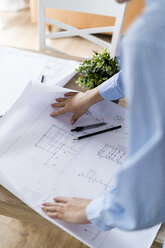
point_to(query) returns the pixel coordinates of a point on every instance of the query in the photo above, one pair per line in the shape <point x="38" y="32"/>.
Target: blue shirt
<point x="138" y="200"/>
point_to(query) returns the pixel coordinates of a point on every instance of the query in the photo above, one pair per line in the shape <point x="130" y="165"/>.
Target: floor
<point x="16" y="30"/>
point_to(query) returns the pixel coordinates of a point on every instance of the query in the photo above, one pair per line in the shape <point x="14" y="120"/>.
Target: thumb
<point x="74" y="119"/>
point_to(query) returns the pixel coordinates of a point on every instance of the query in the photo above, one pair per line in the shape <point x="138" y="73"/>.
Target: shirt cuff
<point x="109" y="90"/>
<point x="95" y="216"/>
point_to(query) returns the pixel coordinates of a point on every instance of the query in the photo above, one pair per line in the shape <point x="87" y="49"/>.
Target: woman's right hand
<point x="78" y="103"/>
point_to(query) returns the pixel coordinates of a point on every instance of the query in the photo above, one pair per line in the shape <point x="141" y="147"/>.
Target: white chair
<point x="99" y="7"/>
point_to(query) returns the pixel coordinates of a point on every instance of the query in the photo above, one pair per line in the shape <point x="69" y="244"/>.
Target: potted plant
<point x="94" y="71"/>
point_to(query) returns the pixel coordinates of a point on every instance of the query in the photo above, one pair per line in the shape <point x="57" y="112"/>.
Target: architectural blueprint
<point x="18" y="67"/>
<point x="40" y="159"/>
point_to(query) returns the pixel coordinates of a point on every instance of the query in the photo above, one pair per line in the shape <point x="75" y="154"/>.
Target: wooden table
<point x="12" y="207"/>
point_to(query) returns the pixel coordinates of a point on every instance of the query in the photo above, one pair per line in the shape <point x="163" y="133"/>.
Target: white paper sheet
<point x="39" y="157"/>
<point x="17" y="67"/>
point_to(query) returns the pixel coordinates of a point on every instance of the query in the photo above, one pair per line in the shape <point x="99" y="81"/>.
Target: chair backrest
<point x="104" y="7"/>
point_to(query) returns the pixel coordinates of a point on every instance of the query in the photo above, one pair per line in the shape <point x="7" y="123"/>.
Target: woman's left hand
<point x="72" y="210"/>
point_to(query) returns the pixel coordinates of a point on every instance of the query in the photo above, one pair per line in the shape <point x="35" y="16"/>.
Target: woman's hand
<point x="78" y="103"/>
<point x="72" y="210"/>
<point x="72" y="102"/>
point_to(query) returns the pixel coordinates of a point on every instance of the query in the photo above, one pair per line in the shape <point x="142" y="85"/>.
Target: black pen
<point x="42" y="78"/>
<point x="81" y="128"/>
<point x="99" y="132"/>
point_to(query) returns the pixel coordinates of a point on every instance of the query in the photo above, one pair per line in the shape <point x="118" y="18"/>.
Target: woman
<point x="138" y="200"/>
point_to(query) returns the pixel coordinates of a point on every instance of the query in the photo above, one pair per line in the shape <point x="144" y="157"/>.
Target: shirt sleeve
<point x="112" y="89"/>
<point x="138" y="199"/>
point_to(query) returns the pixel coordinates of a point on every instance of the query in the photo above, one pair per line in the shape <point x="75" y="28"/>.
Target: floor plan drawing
<point x="58" y="142"/>
<point x="92" y="177"/>
<point x="41" y="160"/>
<point x="114" y="153"/>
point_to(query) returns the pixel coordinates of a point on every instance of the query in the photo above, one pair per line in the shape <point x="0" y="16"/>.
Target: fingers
<point x="61" y="199"/>
<point x="72" y="210"/>
<point x="70" y="93"/>
<point x="74" y="119"/>
<point x="58" y="112"/>
<point x="53" y="209"/>
<point x="49" y="204"/>
<point x="56" y="105"/>
<point x="52" y="204"/>
<point x="61" y="103"/>
<point x="59" y="216"/>
<point x="61" y="99"/>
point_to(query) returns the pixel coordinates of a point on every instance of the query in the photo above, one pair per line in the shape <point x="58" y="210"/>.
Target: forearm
<point x="93" y="96"/>
<point x="113" y="88"/>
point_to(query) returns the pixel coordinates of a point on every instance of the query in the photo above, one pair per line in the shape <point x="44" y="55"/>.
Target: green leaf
<point x="98" y="69"/>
